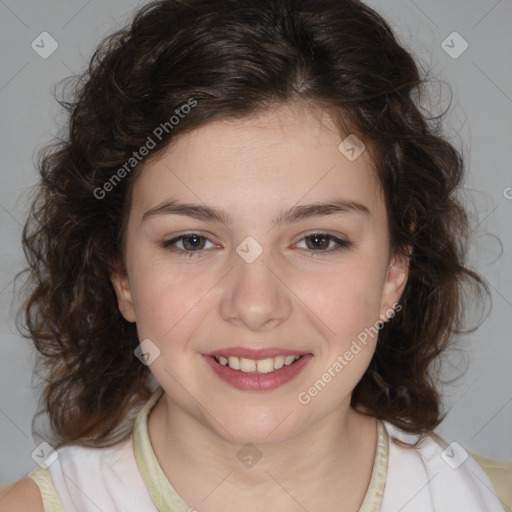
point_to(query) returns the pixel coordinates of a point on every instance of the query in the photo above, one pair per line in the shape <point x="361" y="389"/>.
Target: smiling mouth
<point x="257" y="366"/>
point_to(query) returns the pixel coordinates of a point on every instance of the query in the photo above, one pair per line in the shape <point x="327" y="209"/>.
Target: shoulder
<point x="500" y="474"/>
<point x="21" y="496"/>
<point x="449" y="474"/>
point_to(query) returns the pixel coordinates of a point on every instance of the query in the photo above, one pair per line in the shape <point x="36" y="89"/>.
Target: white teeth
<point x="289" y="360"/>
<point x="278" y="362"/>
<point x="247" y="365"/>
<point x="234" y="363"/>
<point x="257" y="366"/>
<point x="265" y="365"/>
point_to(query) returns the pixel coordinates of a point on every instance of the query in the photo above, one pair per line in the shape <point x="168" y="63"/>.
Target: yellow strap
<point x="43" y="479"/>
<point x="500" y="474"/>
<point x="160" y="489"/>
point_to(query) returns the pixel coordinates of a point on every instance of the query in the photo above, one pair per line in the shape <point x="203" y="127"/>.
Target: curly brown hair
<point x="236" y="58"/>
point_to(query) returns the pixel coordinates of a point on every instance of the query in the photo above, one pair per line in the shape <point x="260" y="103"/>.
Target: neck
<point x="335" y="454"/>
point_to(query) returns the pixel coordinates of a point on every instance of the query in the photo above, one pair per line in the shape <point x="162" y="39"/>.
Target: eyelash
<point x="341" y="244"/>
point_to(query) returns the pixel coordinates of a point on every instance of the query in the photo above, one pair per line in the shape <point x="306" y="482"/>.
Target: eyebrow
<point x="294" y="214"/>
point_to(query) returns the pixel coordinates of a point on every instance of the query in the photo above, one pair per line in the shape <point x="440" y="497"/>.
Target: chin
<point x="259" y="429"/>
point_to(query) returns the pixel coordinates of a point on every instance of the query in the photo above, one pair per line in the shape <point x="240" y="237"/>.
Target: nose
<point x="254" y="295"/>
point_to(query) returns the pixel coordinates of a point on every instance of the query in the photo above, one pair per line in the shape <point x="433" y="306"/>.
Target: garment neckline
<point x="165" y="497"/>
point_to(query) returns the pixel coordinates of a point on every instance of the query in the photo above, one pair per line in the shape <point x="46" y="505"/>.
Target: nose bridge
<point x="254" y="296"/>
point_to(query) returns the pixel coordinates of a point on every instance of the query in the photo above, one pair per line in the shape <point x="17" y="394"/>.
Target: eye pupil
<point x="317" y="237"/>
<point x="193" y="245"/>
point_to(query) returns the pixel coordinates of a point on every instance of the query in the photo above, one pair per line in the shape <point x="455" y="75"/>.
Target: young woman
<point x="245" y="261"/>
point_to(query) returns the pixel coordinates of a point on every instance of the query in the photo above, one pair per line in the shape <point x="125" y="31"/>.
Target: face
<point x="281" y="249"/>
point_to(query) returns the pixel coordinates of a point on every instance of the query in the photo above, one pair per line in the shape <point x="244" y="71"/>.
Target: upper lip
<point x="254" y="353"/>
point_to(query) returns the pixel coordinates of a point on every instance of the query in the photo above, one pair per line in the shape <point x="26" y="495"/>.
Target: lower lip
<point x="258" y="381"/>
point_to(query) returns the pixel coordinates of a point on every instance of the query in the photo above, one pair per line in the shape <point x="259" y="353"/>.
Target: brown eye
<point x="190" y="243"/>
<point x="318" y="241"/>
<point x="193" y="242"/>
<point x="323" y="243"/>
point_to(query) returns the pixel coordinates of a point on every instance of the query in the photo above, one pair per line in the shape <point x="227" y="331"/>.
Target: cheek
<point x="347" y="302"/>
<point x="346" y="299"/>
<point x="163" y="299"/>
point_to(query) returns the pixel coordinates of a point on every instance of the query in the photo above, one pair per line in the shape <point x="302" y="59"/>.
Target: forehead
<point x="289" y="155"/>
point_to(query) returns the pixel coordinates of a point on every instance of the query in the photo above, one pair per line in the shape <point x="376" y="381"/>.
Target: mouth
<point x="257" y="374"/>
<point x="257" y="366"/>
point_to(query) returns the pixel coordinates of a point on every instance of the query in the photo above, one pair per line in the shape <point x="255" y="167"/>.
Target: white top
<point x="434" y="477"/>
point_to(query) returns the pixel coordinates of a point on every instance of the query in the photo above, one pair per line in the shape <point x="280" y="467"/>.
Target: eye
<point x="321" y="243"/>
<point x="191" y="243"/>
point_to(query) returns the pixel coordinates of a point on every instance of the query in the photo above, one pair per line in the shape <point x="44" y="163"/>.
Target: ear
<point x="394" y="284"/>
<point x="121" y="284"/>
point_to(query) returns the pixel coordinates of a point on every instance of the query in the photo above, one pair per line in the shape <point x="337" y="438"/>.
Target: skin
<point x="315" y="456"/>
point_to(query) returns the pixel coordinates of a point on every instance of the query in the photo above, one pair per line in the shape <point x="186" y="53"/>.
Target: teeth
<point x="265" y="365"/>
<point x="247" y="365"/>
<point x="257" y="366"/>
<point x="279" y="362"/>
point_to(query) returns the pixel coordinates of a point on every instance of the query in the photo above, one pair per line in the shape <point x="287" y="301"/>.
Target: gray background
<point x="480" y="122"/>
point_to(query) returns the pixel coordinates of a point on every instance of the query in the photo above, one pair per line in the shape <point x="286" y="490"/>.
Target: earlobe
<point x="121" y="285"/>
<point x="396" y="279"/>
